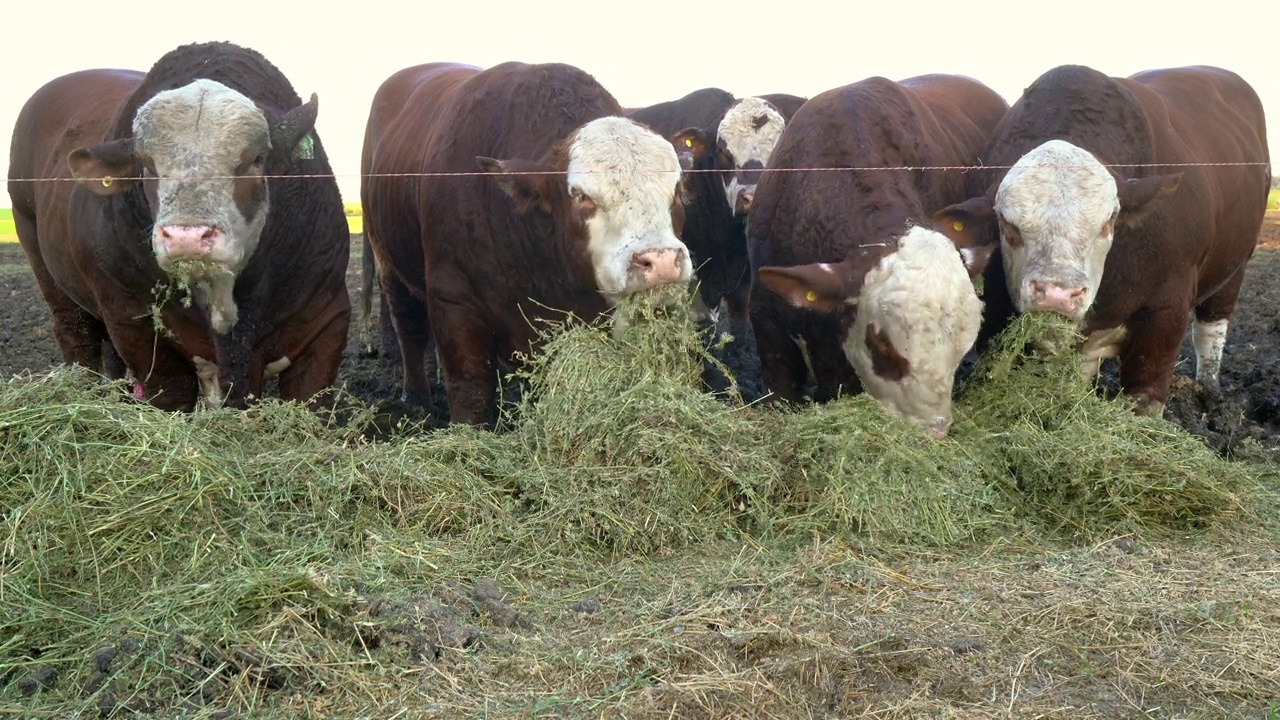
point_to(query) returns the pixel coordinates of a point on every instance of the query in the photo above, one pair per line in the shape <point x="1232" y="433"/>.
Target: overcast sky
<point x="647" y="52"/>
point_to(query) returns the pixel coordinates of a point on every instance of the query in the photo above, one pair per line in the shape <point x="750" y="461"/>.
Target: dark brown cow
<point x="1130" y="202"/>
<point x="852" y="287"/>
<point x="188" y="170"/>
<point x="580" y="210"/>
<point x="726" y="142"/>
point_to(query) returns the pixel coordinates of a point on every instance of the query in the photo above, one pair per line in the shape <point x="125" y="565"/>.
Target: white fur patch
<point x="1209" y="339"/>
<point x="1060" y="200"/>
<point x="922" y="299"/>
<point x="210" y="387"/>
<point x="631" y="174"/>
<point x="749" y="139"/>
<point x="1100" y="345"/>
<point x="275" y="368"/>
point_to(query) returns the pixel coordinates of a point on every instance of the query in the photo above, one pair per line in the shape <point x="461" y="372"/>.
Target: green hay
<point x="625" y="450"/>
<point x="245" y="553"/>
<point x="854" y="468"/>
<point x="1084" y="464"/>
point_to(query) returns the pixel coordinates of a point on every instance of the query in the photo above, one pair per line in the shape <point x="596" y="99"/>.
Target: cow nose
<point x="938" y="427"/>
<point x="743" y="204"/>
<point x="181" y="242"/>
<point x="659" y="266"/>
<point x="1055" y="297"/>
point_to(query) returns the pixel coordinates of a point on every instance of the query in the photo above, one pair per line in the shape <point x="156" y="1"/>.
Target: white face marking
<point x="922" y="299"/>
<point x="1209" y="339"/>
<point x="750" y="130"/>
<point x="630" y="174"/>
<point x="198" y="138"/>
<point x="1061" y="203"/>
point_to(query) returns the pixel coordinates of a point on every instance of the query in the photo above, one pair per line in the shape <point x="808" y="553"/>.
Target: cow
<point x="853" y="287"/>
<point x="204" y="176"/>
<point x="726" y="142"/>
<point x="1124" y="204"/>
<point x="572" y="207"/>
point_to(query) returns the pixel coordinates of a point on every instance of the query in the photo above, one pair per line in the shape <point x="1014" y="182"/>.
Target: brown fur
<point x="91" y="252"/>
<point x="1192" y="250"/>
<point x="460" y="263"/>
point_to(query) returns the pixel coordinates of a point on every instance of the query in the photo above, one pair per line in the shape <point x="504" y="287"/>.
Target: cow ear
<point x="969" y="224"/>
<point x="106" y="169"/>
<point x="691" y="144"/>
<point x="291" y="134"/>
<point x="822" y="287"/>
<point x="1139" y="197"/>
<point x="523" y="180"/>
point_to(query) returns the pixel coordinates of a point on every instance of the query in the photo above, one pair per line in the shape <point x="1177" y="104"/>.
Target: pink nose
<point x="187" y="241"/>
<point x="743" y="205"/>
<point x="658" y="267"/>
<point x="1056" y="298"/>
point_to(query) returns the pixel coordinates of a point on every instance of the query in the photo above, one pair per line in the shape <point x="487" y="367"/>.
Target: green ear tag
<point x="306" y="148"/>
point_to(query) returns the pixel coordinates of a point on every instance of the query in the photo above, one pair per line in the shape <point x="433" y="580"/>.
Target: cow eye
<point x="1010" y="233"/>
<point x="260" y="160"/>
<point x="582" y="202"/>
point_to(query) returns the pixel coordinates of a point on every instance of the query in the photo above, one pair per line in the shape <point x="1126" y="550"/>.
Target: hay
<point x="1084" y="464"/>
<point x="625" y="450"/>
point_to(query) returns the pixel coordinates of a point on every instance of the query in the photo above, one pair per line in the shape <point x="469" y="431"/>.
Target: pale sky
<point x="648" y="52"/>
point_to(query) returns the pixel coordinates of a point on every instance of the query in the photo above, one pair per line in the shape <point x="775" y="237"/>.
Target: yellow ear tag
<point x="688" y="142"/>
<point x="811" y="296"/>
<point x="958" y="225"/>
<point x="106" y="181"/>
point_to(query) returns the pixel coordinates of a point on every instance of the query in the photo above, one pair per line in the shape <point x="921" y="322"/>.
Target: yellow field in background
<point x="355" y="221"/>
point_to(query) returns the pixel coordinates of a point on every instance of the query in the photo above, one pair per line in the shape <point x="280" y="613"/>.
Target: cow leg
<point x="165" y="378"/>
<point x="412" y="322"/>
<point x="468" y="362"/>
<point x="308" y="377"/>
<point x="1149" y="355"/>
<point x="1209" y="331"/>
<point x="783" y="369"/>
<point x="79" y="334"/>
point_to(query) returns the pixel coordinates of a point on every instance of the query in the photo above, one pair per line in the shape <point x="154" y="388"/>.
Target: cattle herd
<point x="842" y="235"/>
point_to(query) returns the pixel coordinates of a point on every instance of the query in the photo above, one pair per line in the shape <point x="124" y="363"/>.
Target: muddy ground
<point x="1249" y="406"/>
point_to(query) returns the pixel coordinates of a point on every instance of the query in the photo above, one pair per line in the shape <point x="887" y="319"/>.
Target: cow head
<point x="1056" y="213"/>
<point x="612" y="187"/>
<point x="915" y="315"/>
<point x="202" y="152"/>
<point x="745" y="138"/>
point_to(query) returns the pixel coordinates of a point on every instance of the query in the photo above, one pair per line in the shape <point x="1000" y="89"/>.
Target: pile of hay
<point x="1081" y="463"/>
<point x="239" y="545"/>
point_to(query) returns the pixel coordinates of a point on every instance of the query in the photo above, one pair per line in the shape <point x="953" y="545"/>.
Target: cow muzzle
<point x="187" y="242"/>
<point x="658" y="266"/>
<point x="1068" y="298"/>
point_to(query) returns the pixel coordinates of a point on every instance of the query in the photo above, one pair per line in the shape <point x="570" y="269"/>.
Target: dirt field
<point x="1249" y="408"/>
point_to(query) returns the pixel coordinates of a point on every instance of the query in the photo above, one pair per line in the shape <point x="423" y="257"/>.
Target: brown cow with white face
<point x="854" y="287"/>
<point x="186" y="171"/>
<point x="1130" y="203"/>
<point x="576" y="207"/>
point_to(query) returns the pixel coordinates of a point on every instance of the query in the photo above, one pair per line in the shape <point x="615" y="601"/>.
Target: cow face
<point x="620" y="188"/>
<point x="203" y="150"/>
<point x="917" y="314"/>
<point x="746" y="137"/>
<point x="1057" y="210"/>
